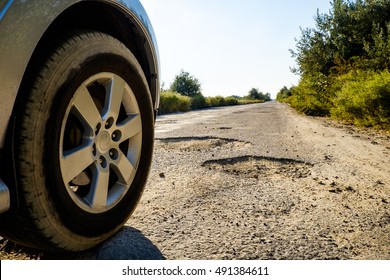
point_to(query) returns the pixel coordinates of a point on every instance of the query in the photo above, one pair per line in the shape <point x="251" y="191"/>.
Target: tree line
<point x="343" y="64"/>
<point x="185" y="94"/>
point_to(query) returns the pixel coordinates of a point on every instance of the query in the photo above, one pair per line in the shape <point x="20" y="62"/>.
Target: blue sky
<point x="231" y="46"/>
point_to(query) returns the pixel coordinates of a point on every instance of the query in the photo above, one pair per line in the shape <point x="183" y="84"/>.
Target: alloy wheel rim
<point x="100" y="142"/>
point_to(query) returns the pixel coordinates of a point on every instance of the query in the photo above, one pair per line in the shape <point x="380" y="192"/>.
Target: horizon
<point x="231" y="46"/>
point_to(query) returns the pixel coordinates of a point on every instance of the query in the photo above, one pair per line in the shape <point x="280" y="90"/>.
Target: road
<point x="257" y="182"/>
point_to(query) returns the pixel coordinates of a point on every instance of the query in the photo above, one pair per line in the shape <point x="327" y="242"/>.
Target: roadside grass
<point x="173" y="102"/>
<point x="249" y="101"/>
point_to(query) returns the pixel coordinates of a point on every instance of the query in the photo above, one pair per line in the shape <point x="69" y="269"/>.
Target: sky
<point x="231" y="46"/>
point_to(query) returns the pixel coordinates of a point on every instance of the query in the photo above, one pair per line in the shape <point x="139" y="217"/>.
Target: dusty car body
<point x="33" y="34"/>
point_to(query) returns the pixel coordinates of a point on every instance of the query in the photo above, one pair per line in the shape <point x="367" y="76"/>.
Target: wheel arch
<point x="114" y="19"/>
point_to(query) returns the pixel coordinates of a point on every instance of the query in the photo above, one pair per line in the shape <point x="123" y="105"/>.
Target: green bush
<point x="249" y="101"/>
<point x="211" y="101"/>
<point x="284" y="94"/>
<point x="364" y="99"/>
<point x="198" y="102"/>
<point x="231" y="101"/>
<point x="313" y="96"/>
<point x="220" y="100"/>
<point x="216" y="101"/>
<point x="171" y="102"/>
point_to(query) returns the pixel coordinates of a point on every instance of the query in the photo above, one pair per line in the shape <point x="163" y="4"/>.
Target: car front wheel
<point x="83" y="145"/>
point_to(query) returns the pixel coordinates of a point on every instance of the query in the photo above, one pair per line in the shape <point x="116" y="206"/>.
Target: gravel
<point x="256" y="182"/>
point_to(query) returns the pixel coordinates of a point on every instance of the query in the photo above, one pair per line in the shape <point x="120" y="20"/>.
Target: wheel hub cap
<point x="104" y="142"/>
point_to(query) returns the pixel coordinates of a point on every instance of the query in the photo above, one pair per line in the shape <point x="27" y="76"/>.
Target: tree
<point x="186" y="85"/>
<point x="283" y="94"/>
<point x="352" y="34"/>
<point x="256" y="94"/>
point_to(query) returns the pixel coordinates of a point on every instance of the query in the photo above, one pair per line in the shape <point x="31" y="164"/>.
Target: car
<point x="79" y="96"/>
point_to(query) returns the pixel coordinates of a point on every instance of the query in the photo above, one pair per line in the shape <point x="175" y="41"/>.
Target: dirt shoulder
<point x="257" y="182"/>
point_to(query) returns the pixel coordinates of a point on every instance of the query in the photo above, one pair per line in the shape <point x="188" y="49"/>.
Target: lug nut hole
<point x="97" y="129"/>
<point x="114" y="154"/>
<point x="109" y="123"/>
<point x="103" y="162"/>
<point x="94" y="150"/>
<point x="116" y="136"/>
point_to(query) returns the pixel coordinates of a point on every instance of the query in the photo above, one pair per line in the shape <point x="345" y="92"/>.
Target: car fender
<point x="22" y="25"/>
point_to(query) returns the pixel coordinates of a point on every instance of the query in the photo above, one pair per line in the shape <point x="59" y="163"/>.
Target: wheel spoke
<point x="123" y="169"/>
<point x="97" y="197"/>
<point x="76" y="161"/>
<point x="115" y="95"/>
<point x="86" y="107"/>
<point x="131" y="127"/>
<point x="134" y="149"/>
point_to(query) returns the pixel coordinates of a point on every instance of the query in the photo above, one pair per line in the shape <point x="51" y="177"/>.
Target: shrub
<point x="198" y="102"/>
<point x="231" y="101"/>
<point x="249" y="101"/>
<point x="284" y="94"/>
<point x="171" y="102"/>
<point x="211" y="101"/>
<point x="220" y="101"/>
<point x="364" y="99"/>
<point x="313" y="96"/>
<point x="216" y="101"/>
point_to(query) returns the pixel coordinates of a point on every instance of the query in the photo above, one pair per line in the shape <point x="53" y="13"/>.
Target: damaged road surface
<point x="256" y="182"/>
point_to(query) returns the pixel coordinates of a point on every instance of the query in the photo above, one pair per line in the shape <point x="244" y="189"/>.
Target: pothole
<point x="258" y="167"/>
<point x="191" y="144"/>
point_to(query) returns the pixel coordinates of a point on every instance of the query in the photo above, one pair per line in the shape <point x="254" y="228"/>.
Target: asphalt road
<point x="256" y="182"/>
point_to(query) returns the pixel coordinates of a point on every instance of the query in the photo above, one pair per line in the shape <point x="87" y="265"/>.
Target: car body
<point x="27" y="29"/>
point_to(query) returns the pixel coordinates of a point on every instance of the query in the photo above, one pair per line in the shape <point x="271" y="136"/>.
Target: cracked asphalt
<point x="256" y="182"/>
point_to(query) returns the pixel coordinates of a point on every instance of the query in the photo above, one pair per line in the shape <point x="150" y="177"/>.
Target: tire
<point x="83" y="145"/>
